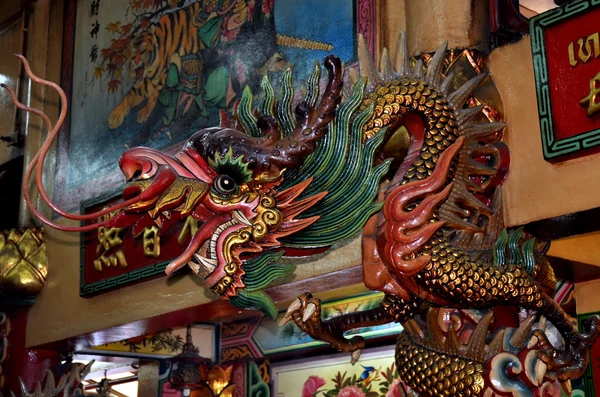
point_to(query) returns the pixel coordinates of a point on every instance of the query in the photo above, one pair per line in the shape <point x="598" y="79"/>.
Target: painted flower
<point x="312" y="385"/>
<point x="351" y="391"/>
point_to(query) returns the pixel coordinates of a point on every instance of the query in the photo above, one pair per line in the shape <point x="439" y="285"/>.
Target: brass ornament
<point x="151" y="242"/>
<point x="190" y="227"/>
<point x="23" y="262"/>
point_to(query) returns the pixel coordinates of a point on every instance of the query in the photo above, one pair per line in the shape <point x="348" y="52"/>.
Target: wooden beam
<point x="215" y="310"/>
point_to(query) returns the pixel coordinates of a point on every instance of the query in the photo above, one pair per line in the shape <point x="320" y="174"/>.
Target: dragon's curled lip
<point x="205" y="253"/>
<point x="210" y="252"/>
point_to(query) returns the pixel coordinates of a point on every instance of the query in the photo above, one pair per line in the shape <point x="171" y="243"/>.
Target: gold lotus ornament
<point x="23" y="262"/>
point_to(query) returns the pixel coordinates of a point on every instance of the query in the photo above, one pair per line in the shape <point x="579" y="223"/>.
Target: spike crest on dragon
<point x="281" y="180"/>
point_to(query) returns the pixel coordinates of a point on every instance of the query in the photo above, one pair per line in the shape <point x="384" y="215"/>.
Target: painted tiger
<point x="153" y="52"/>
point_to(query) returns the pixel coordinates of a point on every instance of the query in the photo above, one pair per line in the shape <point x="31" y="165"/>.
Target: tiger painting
<point x="193" y="60"/>
<point x="153" y="52"/>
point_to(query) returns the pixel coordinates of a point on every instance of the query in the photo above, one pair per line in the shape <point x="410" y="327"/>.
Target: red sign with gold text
<point x="566" y="58"/>
<point x="114" y="257"/>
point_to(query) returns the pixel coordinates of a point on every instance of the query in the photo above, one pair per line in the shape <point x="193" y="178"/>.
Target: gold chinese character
<point x="109" y="238"/>
<point x="190" y="226"/>
<point x="592" y="100"/>
<point x="151" y="242"/>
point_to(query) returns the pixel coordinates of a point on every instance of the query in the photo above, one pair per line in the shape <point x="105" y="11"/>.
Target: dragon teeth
<point x="207" y="262"/>
<point x="204" y="267"/>
<point x="241" y="218"/>
<point x="199" y="269"/>
<point x="167" y="214"/>
<point x="212" y="247"/>
<point x="194" y="266"/>
<point x="216" y="234"/>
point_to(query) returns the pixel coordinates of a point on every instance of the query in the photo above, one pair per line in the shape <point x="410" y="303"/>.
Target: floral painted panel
<point x="333" y="376"/>
<point x="162" y="344"/>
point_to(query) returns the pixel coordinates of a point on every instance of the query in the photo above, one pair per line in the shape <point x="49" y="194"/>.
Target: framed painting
<point x="334" y="375"/>
<point x="162" y="345"/>
<point x="152" y="72"/>
<point x="566" y="46"/>
<point x="260" y="337"/>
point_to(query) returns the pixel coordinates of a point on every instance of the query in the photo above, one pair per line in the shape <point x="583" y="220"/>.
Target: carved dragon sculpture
<point x="279" y="182"/>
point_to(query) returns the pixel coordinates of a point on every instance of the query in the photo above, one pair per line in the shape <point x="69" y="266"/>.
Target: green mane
<point x="342" y="165"/>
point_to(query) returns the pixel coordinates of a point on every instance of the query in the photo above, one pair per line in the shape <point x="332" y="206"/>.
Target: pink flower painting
<point x="351" y="391"/>
<point x="312" y="386"/>
<point x="359" y="382"/>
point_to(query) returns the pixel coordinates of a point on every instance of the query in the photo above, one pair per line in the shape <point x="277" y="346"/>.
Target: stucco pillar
<point x="428" y="23"/>
<point x="148" y="378"/>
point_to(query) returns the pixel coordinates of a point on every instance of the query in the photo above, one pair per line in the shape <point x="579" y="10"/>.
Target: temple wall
<point x="536" y="189"/>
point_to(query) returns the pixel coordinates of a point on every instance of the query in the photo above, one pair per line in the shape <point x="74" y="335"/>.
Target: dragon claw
<point x="295" y="305"/>
<point x="311" y="308"/>
<point x="306" y="313"/>
<point x="571" y="361"/>
<point x="286" y="319"/>
<point x="355" y="356"/>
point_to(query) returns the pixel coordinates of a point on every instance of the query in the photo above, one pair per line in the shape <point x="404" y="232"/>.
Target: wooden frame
<point x="581" y="143"/>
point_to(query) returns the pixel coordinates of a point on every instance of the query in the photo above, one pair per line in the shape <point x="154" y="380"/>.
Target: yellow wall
<point x="536" y="189"/>
<point x="428" y="23"/>
<point x="587" y="296"/>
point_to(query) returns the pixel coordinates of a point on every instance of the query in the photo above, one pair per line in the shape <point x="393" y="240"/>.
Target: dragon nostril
<point x="136" y="175"/>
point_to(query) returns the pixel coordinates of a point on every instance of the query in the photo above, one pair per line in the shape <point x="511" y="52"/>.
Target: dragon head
<point x="250" y="193"/>
<point x="229" y="181"/>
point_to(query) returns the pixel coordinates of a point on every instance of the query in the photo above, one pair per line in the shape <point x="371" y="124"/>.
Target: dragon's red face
<point x="240" y="212"/>
<point x="228" y="181"/>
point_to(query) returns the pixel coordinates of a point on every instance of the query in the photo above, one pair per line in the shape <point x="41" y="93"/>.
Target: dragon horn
<point x="289" y="151"/>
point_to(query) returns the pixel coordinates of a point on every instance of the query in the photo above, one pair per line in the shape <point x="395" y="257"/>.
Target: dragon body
<point x="294" y="182"/>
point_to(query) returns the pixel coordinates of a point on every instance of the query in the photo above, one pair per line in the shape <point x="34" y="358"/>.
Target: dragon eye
<point x="224" y="184"/>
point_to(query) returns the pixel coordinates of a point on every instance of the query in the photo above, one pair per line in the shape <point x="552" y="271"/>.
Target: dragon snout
<point x="132" y="173"/>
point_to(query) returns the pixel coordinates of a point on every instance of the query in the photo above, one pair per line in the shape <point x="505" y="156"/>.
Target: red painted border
<point x="366" y="22"/>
